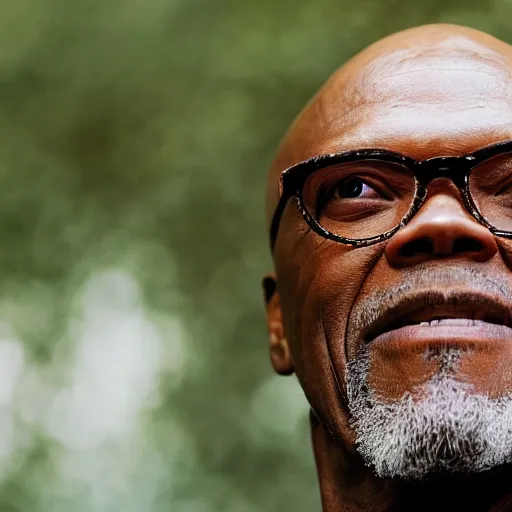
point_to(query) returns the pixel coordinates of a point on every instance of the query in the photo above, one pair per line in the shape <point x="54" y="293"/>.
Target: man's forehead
<point x="423" y="89"/>
<point x="406" y="78"/>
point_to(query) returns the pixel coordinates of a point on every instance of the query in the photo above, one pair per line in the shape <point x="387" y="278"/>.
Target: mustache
<point x="454" y="285"/>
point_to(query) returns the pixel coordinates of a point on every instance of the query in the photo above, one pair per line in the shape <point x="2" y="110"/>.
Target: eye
<point x="354" y="188"/>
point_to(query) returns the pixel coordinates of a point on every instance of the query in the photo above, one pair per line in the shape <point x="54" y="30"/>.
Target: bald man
<point x="390" y="223"/>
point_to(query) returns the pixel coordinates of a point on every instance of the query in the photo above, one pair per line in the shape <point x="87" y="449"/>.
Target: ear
<point x="280" y="355"/>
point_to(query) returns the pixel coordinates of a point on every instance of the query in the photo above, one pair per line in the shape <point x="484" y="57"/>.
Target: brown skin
<point x="430" y="91"/>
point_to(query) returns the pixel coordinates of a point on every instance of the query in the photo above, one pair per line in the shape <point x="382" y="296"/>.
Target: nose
<point x="442" y="228"/>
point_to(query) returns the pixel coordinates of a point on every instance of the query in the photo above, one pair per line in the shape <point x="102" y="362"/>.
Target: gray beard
<point x="449" y="429"/>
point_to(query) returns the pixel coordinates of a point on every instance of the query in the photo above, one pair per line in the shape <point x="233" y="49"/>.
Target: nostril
<point x="416" y="247"/>
<point x="426" y="246"/>
<point x="465" y="244"/>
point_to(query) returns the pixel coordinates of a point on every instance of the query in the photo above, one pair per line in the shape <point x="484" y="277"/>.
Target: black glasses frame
<point x="455" y="168"/>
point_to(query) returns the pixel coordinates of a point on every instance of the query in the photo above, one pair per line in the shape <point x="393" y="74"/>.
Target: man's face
<point x="407" y="339"/>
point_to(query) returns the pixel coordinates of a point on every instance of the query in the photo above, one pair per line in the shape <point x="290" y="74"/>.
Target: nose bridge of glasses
<point x="443" y="183"/>
<point x="455" y="169"/>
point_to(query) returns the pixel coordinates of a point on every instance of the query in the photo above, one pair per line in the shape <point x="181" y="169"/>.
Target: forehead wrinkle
<point x="374" y="85"/>
<point x="448" y="68"/>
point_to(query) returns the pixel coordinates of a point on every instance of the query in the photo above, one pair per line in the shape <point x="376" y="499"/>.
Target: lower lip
<point x="456" y="334"/>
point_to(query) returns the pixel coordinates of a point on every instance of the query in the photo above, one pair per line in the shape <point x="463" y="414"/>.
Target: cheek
<point x="318" y="278"/>
<point x="317" y="289"/>
<point x="505" y="248"/>
<point x="347" y="276"/>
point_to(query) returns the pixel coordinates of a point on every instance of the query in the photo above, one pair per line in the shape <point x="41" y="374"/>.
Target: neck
<point x="347" y="485"/>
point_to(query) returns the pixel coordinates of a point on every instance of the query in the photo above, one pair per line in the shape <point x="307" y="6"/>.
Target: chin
<point x="443" y="424"/>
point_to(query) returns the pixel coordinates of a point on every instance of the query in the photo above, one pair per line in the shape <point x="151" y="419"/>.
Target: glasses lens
<point x="490" y="184"/>
<point x="360" y="199"/>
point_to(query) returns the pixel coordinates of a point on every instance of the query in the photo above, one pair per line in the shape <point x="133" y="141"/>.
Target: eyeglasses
<point x="363" y="197"/>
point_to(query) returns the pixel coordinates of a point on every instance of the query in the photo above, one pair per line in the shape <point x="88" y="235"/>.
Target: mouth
<point x="443" y="314"/>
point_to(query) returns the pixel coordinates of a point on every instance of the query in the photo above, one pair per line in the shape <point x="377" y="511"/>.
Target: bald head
<point x="442" y="86"/>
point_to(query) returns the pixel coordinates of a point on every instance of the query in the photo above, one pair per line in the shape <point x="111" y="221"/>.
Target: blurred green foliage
<point x="135" y="141"/>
